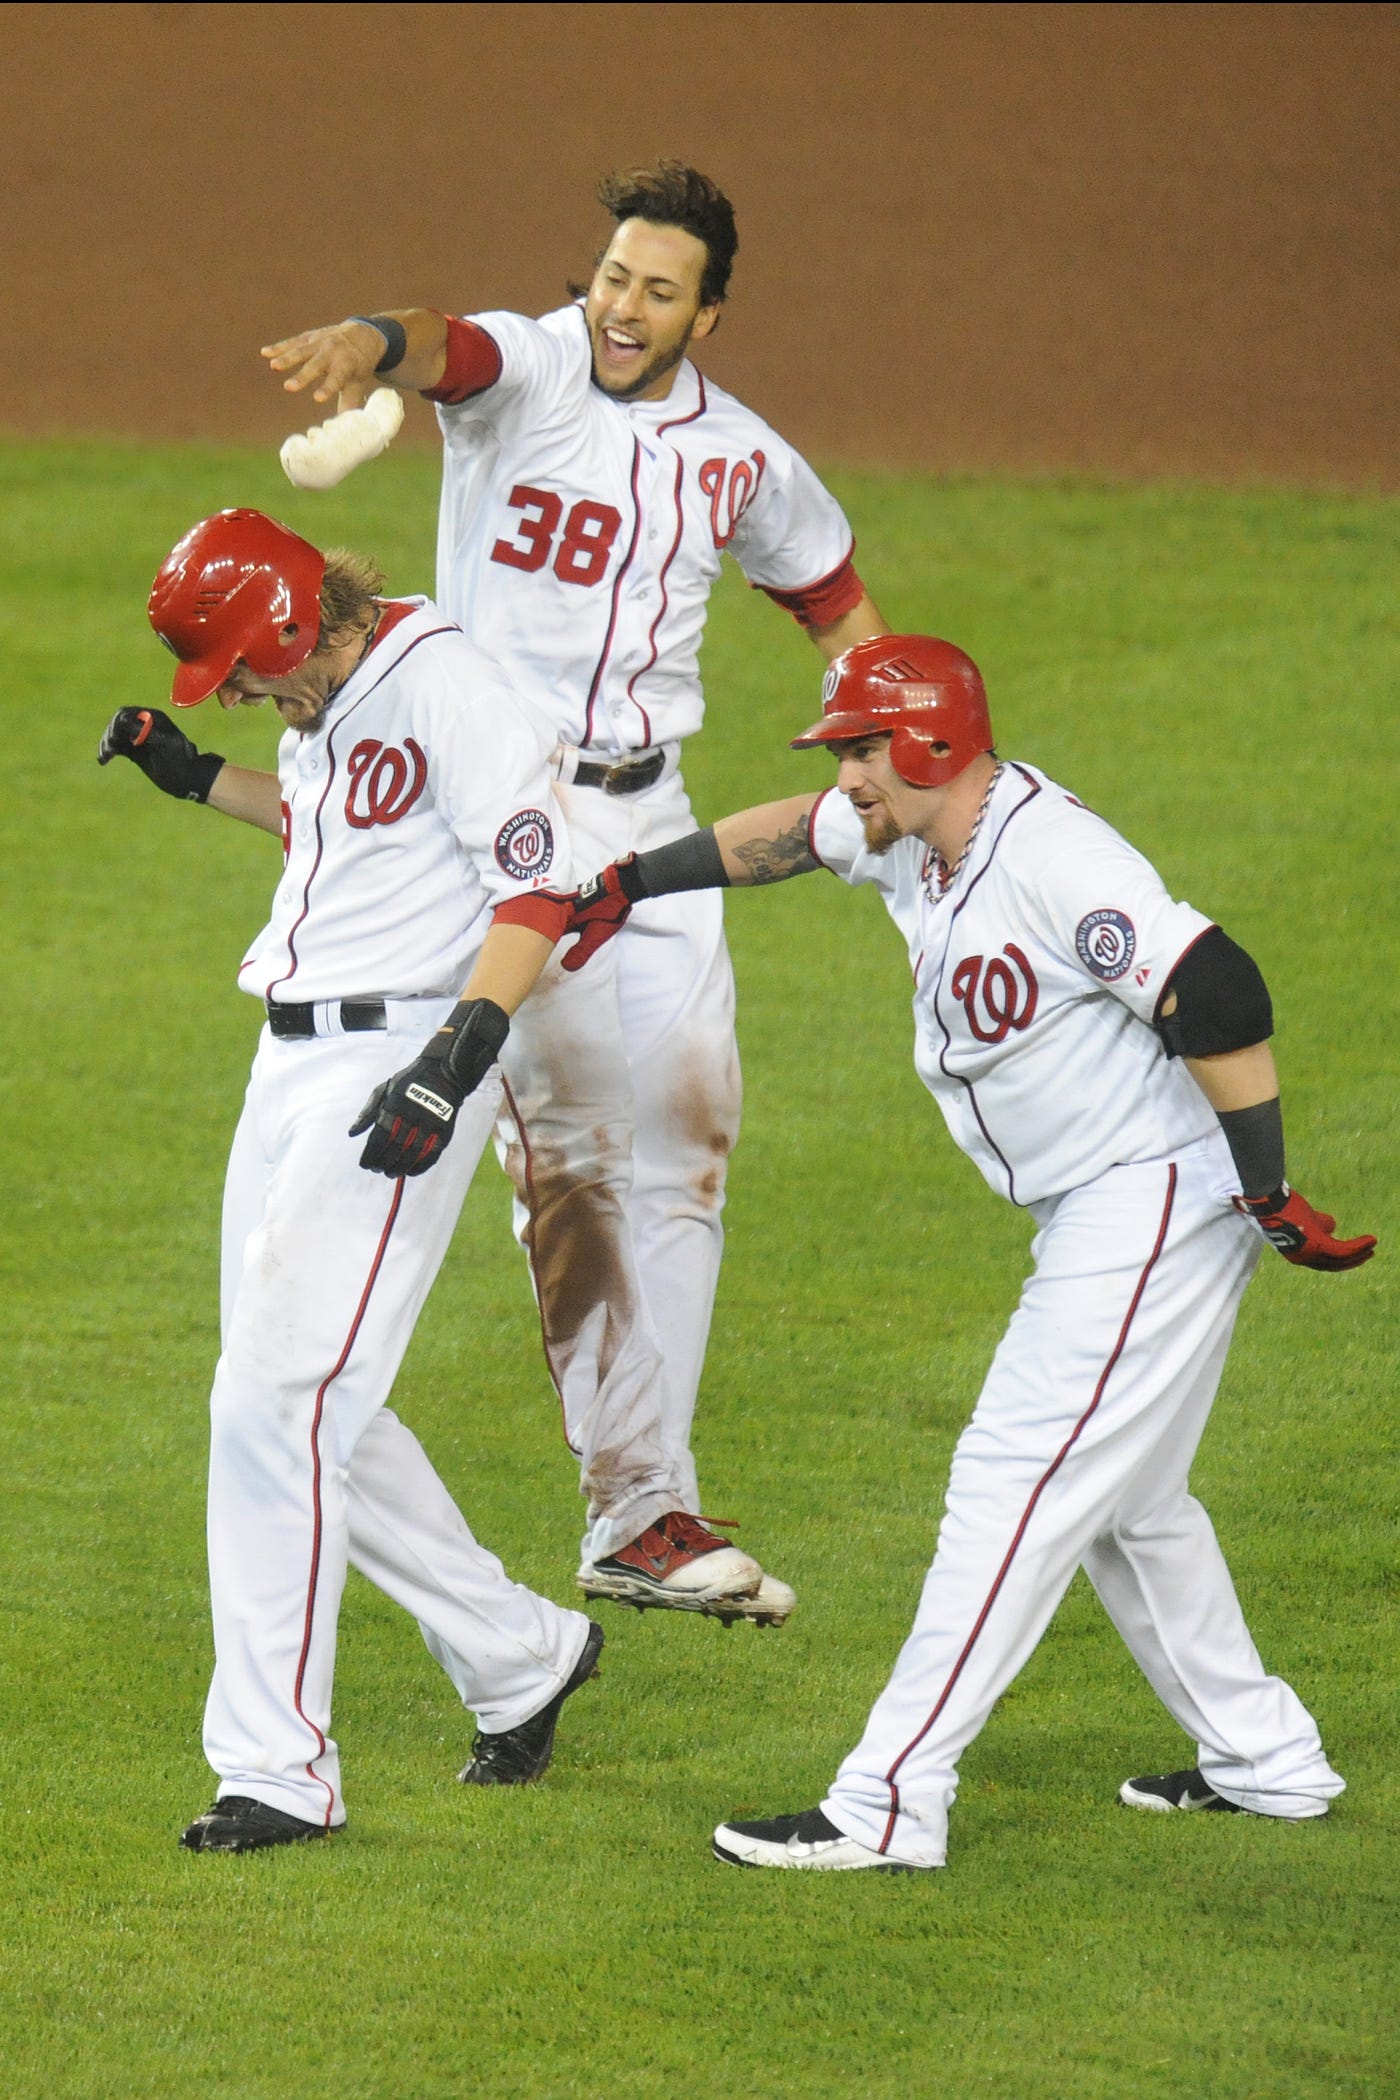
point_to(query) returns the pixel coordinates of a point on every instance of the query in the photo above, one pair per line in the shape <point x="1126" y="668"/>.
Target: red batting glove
<point x="599" y="909"/>
<point x="1301" y="1234"/>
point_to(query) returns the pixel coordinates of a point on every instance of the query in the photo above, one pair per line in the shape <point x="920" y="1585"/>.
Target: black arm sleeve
<point x="692" y="863"/>
<point x="1255" y="1138"/>
<point x="1222" y="1001"/>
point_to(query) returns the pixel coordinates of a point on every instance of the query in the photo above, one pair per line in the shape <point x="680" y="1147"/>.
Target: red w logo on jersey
<point x="384" y="782"/>
<point x="731" y="489"/>
<point x="1007" y="993"/>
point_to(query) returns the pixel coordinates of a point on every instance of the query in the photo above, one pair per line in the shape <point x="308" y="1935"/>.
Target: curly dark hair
<point x="670" y="193"/>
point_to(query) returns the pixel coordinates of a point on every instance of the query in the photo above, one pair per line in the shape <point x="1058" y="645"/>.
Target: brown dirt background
<point x="1121" y="240"/>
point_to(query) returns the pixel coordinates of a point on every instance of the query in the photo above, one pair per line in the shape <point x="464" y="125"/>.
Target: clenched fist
<point x="163" y="752"/>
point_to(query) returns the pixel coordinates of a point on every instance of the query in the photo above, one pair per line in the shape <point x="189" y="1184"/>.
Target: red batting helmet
<point x="237" y="587"/>
<point x="917" y="691"/>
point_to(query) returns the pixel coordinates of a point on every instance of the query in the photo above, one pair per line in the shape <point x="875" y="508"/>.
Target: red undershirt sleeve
<point x="823" y="603"/>
<point x="473" y="364"/>
<point x="537" y="909"/>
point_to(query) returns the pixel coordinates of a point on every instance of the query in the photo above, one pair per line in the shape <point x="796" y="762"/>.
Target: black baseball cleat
<point x="809" y="1840"/>
<point x="521" y="1754"/>
<point x="1168" y="1790"/>
<point x="237" y="1824"/>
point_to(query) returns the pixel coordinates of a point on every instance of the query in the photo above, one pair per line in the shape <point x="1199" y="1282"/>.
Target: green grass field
<point x="1216" y="673"/>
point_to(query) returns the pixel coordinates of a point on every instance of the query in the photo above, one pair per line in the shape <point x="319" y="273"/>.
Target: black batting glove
<point x="411" y="1117"/>
<point x="163" y="752"/>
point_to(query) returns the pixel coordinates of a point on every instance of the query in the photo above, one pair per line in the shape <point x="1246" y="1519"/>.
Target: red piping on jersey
<point x="812" y="827"/>
<point x="695" y="413"/>
<point x="314" y="1576"/>
<point x="293" y="958"/>
<point x="674" y="424"/>
<point x="665" y="602"/>
<point x="529" y="1243"/>
<point x="616" y="594"/>
<point x="1024" y="803"/>
<point x="1046" y="1477"/>
<point x="473" y="363"/>
<point x="823" y="603"/>
<point x="449" y="628"/>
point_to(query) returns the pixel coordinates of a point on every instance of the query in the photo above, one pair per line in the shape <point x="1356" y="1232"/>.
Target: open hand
<point x="329" y="361"/>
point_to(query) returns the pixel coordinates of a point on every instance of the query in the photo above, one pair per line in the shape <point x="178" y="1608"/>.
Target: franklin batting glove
<point x="163" y="752"/>
<point x="601" y="907"/>
<point x="411" y="1117"/>
<point x="1301" y="1234"/>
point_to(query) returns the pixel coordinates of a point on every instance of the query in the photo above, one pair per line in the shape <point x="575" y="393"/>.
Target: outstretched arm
<point x="765" y="844"/>
<point x="858" y="625"/>
<point x="354" y="355"/>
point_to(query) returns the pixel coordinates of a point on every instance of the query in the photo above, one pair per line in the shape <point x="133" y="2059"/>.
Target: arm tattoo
<point x="773" y="860"/>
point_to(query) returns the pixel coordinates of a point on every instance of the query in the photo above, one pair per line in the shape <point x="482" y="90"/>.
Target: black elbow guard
<point x="1222" y="1001"/>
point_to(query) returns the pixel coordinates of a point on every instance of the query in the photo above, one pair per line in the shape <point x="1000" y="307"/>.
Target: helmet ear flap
<point x="920" y="758"/>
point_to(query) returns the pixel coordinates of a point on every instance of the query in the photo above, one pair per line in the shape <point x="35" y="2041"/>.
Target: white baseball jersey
<point x="579" y="537"/>
<point x="423" y="799"/>
<point x="1037" y="973"/>
<point x="1034" y="973"/>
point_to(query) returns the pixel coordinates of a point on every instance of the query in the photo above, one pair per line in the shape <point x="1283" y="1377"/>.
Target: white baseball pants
<point x="325" y="1270"/>
<point x="1077" y="1454"/>
<point x="623" y="1092"/>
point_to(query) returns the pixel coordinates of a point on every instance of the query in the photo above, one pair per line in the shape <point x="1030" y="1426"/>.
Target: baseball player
<point x="1101" y="1053"/>
<point x="592" y="480"/>
<point x="412" y="795"/>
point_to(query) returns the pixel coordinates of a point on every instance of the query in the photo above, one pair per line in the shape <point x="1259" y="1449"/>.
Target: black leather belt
<point x="628" y="777"/>
<point x="356" y="1015"/>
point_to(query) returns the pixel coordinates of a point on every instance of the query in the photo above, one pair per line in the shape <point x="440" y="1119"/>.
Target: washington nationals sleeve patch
<point x="525" y="845"/>
<point x="1106" y="943"/>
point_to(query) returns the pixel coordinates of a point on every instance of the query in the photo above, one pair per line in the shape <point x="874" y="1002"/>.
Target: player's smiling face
<point x="643" y="308"/>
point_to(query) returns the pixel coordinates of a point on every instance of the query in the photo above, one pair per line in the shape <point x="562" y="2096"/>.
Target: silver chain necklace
<point x="938" y="876"/>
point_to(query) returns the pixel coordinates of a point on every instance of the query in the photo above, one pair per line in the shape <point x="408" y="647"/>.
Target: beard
<point x="309" y="717"/>
<point x="881" y="831"/>
<point x="665" y="361"/>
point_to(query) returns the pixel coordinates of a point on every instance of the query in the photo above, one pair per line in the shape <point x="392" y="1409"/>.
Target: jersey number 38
<point x="581" y="554"/>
